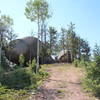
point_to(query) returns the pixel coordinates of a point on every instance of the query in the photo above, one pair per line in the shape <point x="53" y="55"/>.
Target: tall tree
<point x="78" y="47"/>
<point x="96" y="51"/>
<point x="71" y="40"/>
<point x="63" y="38"/>
<point x="52" y="39"/>
<point x="5" y="26"/>
<point x="85" y="50"/>
<point x="44" y="16"/>
<point x="37" y="10"/>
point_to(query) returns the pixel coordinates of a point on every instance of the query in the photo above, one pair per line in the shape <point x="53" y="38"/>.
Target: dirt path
<point x="63" y="84"/>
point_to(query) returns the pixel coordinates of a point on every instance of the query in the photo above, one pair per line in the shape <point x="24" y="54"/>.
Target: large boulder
<point x="26" y="46"/>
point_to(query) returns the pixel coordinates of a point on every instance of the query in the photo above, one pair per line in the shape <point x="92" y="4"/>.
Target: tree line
<point x="54" y="41"/>
<point x="38" y="11"/>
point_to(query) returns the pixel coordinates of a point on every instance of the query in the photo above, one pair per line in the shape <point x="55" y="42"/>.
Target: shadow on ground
<point x="48" y="94"/>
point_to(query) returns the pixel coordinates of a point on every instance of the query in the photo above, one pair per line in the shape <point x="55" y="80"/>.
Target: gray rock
<point x="26" y="46"/>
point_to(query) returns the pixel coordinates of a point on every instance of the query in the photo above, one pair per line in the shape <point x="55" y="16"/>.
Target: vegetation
<point x="16" y="82"/>
<point x="92" y="80"/>
<point x="6" y="35"/>
<point x="37" y="10"/>
<point x="52" y="39"/>
<point x="21" y="60"/>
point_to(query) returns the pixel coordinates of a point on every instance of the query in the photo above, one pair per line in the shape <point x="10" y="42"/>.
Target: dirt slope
<point x="63" y="84"/>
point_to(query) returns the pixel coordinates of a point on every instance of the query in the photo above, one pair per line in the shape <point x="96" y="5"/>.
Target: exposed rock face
<point x="26" y="46"/>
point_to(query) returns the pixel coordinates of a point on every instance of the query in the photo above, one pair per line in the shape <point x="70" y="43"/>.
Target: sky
<point x="85" y="14"/>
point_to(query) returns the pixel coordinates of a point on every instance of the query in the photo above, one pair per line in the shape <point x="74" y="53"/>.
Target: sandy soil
<point x="63" y="84"/>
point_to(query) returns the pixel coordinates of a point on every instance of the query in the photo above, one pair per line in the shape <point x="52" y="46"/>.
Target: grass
<point x="11" y="94"/>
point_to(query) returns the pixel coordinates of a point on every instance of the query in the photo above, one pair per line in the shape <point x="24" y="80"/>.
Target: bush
<point x="16" y="85"/>
<point x="1" y="70"/>
<point x="32" y="65"/>
<point x="21" y="60"/>
<point x="92" y="80"/>
<point x="22" y="78"/>
<point x="76" y="62"/>
<point x="17" y="79"/>
<point x="38" y="78"/>
<point x="80" y="63"/>
<point x="11" y="94"/>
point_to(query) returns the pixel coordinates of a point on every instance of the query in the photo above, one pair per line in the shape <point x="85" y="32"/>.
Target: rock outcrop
<point x="25" y="46"/>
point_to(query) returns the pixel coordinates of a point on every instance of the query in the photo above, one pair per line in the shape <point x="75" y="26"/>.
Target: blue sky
<point x="84" y="13"/>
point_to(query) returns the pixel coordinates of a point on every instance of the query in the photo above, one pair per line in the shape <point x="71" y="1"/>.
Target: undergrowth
<point x="91" y="82"/>
<point x="18" y="84"/>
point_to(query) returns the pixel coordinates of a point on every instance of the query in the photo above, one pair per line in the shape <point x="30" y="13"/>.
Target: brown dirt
<point x="63" y="84"/>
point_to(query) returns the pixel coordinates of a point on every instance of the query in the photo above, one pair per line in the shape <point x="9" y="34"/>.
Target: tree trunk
<point x="1" y="37"/>
<point x="38" y="53"/>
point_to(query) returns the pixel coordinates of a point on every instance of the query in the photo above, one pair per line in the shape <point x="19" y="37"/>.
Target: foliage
<point x="1" y="70"/>
<point x="6" y="30"/>
<point x="76" y="63"/>
<point x="70" y="41"/>
<point x="17" y="79"/>
<point x="4" y="66"/>
<point x="52" y="39"/>
<point x="76" y="44"/>
<point x="92" y="80"/>
<point x="96" y="51"/>
<point x="37" y="10"/>
<point x="32" y="65"/>
<point x="63" y="39"/>
<point x="81" y="63"/>
<point x="6" y="35"/>
<point x="11" y="94"/>
<point x="21" y="60"/>
<point x="24" y="80"/>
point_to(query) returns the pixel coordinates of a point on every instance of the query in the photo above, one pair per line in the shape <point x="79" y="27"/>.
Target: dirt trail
<point x="63" y="84"/>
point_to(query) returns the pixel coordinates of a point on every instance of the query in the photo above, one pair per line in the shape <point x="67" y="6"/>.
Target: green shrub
<point x="1" y="70"/>
<point x="22" y="78"/>
<point x="21" y="60"/>
<point x="16" y="85"/>
<point x="11" y="94"/>
<point x="32" y="65"/>
<point x="17" y="79"/>
<point x="80" y="63"/>
<point x="92" y="80"/>
<point x="76" y="63"/>
<point x="38" y="78"/>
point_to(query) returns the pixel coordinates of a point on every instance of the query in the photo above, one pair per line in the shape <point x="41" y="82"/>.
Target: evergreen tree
<point x="63" y="38"/>
<point x="52" y="39"/>
<point x="96" y="51"/>
<point x="72" y="40"/>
